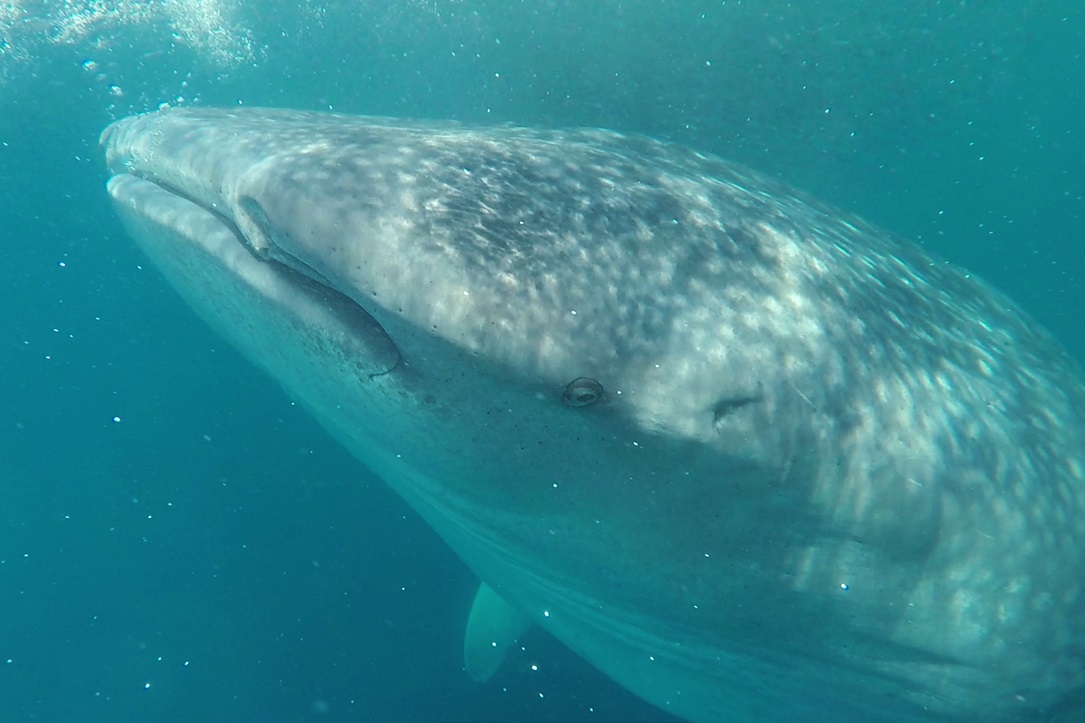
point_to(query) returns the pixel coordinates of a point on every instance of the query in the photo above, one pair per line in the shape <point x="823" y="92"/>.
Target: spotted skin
<point x="823" y="476"/>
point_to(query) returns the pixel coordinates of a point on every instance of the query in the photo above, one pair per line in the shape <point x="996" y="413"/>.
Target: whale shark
<point x="748" y="455"/>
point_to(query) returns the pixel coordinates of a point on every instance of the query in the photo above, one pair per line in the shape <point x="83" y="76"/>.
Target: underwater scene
<point x="539" y="360"/>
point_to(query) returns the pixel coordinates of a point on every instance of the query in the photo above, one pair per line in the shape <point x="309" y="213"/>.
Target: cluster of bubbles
<point x="32" y="31"/>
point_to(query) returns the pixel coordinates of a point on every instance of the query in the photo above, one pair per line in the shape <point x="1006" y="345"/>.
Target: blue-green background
<point x="213" y="555"/>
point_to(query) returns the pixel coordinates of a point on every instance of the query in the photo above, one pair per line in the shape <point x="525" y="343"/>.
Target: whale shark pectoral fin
<point x="492" y="628"/>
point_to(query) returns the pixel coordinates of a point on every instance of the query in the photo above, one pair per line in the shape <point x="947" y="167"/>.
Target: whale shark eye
<point x="581" y="392"/>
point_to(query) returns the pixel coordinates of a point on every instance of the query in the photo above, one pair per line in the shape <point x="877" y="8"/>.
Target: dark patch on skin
<point x="729" y="405"/>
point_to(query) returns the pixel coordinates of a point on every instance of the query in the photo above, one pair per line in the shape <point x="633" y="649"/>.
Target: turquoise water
<point x="178" y="541"/>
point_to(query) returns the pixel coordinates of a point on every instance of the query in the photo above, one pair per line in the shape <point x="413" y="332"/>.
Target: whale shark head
<point x="750" y="457"/>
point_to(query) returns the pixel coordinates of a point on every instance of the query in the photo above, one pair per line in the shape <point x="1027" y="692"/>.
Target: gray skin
<point x="827" y="477"/>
